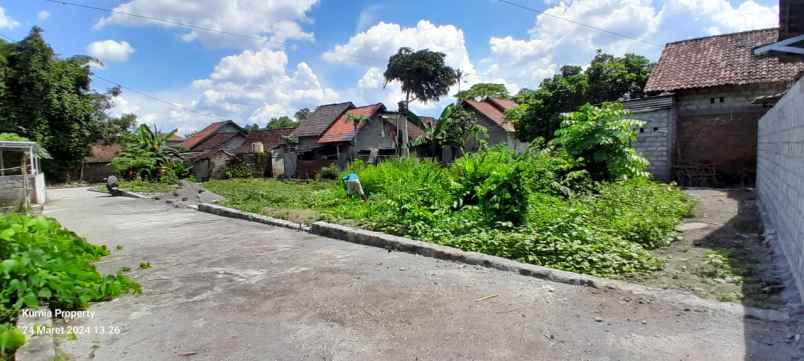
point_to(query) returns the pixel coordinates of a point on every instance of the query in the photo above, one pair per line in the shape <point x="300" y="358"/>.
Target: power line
<point x="153" y="97"/>
<point x="155" y="19"/>
<point x="544" y="12"/>
<point x="147" y="95"/>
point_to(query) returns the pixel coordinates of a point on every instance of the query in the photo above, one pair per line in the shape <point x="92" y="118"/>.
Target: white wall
<point x="780" y="176"/>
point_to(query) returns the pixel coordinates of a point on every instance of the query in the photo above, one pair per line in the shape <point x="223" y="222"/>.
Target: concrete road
<point x="223" y="289"/>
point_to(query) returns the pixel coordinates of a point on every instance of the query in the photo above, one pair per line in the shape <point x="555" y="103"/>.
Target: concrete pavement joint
<point x="402" y="244"/>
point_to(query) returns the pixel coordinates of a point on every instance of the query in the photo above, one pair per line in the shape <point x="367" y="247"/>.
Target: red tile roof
<point x="270" y="138"/>
<point x="494" y="110"/>
<point x="205" y="133"/>
<point x="102" y="153"/>
<point x="720" y="60"/>
<point x="343" y="129"/>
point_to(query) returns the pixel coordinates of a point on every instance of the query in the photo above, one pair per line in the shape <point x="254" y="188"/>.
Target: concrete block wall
<point x="655" y="141"/>
<point x="780" y="176"/>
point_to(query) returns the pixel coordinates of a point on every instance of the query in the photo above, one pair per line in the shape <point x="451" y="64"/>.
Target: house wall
<point x="11" y="189"/>
<point x="374" y="135"/>
<point x="495" y="135"/>
<point x="780" y="176"/>
<point x="721" y="133"/>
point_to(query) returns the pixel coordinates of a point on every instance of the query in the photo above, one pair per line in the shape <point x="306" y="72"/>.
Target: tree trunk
<point x="405" y="147"/>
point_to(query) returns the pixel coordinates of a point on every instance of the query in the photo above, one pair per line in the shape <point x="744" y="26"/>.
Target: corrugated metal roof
<point x="650" y="104"/>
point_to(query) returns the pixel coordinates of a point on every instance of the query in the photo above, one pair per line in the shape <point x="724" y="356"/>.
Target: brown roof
<point x="102" y="153"/>
<point x="494" y="109"/>
<point x="205" y="133"/>
<point x="270" y="138"/>
<point x="216" y="141"/>
<point x="343" y="129"/>
<point x="718" y="61"/>
<point x="320" y="119"/>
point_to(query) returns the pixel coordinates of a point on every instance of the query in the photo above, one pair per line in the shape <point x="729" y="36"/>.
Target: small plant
<point x="145" y="265"/>
<point x="119" y="247"/>
<point x="329" y="172"/>
<point x="238" y="170"/>
<point x="49" y="264"/>
<point x="601" y="139"/>
<point x="11" y="339"/>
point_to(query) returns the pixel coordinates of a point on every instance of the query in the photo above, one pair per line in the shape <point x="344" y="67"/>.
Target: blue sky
<point x="289" y="54"/>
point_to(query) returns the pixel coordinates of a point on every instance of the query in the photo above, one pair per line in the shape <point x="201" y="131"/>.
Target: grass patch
<point x="606" y="232"/>
<point x="147" y="187"/>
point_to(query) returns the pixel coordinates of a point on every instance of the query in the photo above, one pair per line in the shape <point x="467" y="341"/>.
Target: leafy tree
<point x="455" y="127"/>
<point x="608" y="78"/>
<point x="282" y="122"/>
<point x="424" y="76"/>
<point x="302" y="114"/>
<point x="602" y="140"/>
<point x="48" y="99"/>
<point x="252" y="127"/>
<point x="146" y="155"/>
<point x="484" y="90"/>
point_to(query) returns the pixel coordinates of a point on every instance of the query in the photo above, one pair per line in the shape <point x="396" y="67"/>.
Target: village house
<point x="98" y="164"/>
<point x="490" y="114"/>
<point x="223" y="144"/>
<point x="708" y="94"/>
<point x="339" y="133"/>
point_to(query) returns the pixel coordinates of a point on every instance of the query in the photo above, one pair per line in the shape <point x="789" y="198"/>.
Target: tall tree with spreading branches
<point x="423" y="75"/>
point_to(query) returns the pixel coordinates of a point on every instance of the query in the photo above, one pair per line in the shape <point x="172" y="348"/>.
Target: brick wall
<point x="719" y="126"/>
<point x="780" y="176"/>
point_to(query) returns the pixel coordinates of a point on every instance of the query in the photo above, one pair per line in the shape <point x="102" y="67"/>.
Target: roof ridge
<point x="720" y="35"/>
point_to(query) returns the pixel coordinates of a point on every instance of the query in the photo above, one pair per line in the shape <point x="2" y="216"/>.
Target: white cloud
<point x="369" y="50"/>
<point x="42" y="15"/>
<point x="720" y="16"/>
<point x="6" y="22"/>
<point x="254" y="84"/>
<point x="258" y="22"/>
<point x="110" y="50"/>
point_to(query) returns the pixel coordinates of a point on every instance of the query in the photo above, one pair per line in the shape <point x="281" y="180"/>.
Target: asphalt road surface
<point x="224" y="289"/>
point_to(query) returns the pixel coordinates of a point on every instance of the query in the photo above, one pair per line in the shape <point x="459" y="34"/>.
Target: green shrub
<point x="329" y="172"/>
<point x="11" y="338"/>
<point x="601" y="139"/>
<point x="495" y="181"/>
<point x="47" y="263"/>
<point x="641" y="211"/>
<point x="237" y="170"/>
<point x="538" y="207"/>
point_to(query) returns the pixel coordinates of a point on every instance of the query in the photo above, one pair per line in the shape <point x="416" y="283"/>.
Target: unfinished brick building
<point x="718" y="90"/>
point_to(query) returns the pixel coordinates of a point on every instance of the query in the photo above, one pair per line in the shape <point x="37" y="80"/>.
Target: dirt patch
<point x="722" y="254"/>
<point x="303" y="215"/>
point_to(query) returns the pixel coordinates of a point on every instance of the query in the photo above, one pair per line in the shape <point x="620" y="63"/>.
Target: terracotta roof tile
<point x="270" y="138"/>
<point x="319" y="120"/>
<point x="205" y="133"/>
<point x="720" y="60"/>
<point x="102" y="153"/>
<point x="491" y="111"/>
<point x="343" y="129"/>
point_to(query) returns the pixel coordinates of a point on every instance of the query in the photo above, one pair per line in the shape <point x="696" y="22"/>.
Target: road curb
<point x="131" y="194"/>
<point x="402" y="244"/>
<point x="234" y="213"/>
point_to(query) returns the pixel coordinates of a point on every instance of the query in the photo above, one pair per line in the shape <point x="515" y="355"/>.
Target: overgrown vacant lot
<point x="529" y="208"/>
